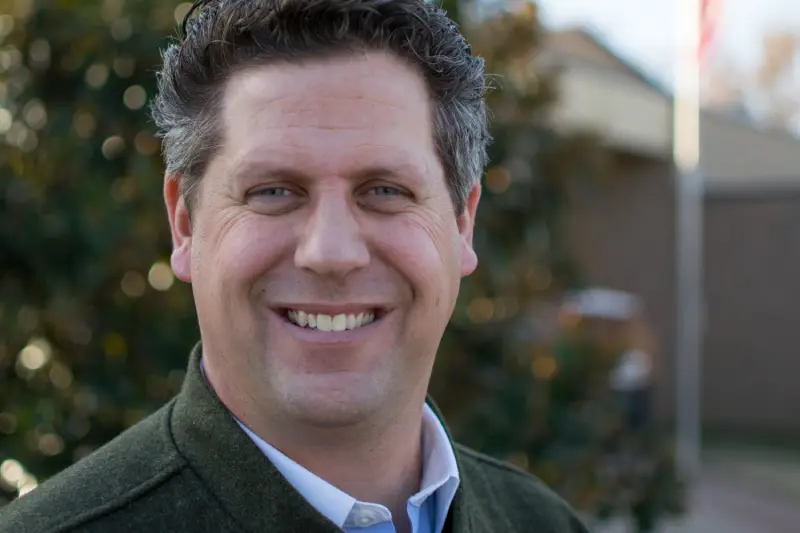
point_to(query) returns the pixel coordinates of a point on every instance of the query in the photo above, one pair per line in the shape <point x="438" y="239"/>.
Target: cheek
<point x="244" y="250"/>
<point x="426" y="254"/>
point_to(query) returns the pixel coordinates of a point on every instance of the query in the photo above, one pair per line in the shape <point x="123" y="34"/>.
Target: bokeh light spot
<point x="11" y="471"/>
<point x="84" y="124"/>
<point x="145" y="143"/>
<point x="498" y="179"/>
<point x="124" y="66"/>
<point x="6" y="24"/>
<point x="51" y="444"/>
<point x="114" y="345"/>
<point x="35" y="114"/>
<point x="160" y="276"/>
<point x="480" y="310"/>
<point x="5" y="120"/>
<point x="97" y="75"/>
<point x="60" y="376"/>
<point x="544" y="367"/>
<point x="121" y="29"/>
<point x="39" y="52"/>
<point x="180" y="11"/>
<point x="113" y="146"/>
<point x="133" y="284"/>
<point x="35" y="355"/>
<point x="8" y="423"/>
<point x="134" y="97"/>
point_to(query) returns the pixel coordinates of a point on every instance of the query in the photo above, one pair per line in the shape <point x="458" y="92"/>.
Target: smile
<point x="326" y="322"/>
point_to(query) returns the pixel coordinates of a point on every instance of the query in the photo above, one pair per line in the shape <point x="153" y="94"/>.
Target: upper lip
<point x="334" y="309"/>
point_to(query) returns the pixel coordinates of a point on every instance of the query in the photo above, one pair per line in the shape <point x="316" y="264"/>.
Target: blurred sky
<point x="643" y="30"/>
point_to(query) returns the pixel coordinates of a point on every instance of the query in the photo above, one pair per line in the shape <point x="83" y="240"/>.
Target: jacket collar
<point x="250" y="488"/>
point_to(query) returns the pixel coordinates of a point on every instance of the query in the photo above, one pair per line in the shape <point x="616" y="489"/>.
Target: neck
<point x="378" y="461"/>
<point x="377" y="464"/>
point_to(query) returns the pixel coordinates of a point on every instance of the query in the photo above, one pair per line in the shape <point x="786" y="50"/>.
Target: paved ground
<point x="741" y="493"/>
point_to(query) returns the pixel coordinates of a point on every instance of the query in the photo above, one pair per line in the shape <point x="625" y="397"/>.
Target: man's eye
<point x="385" y="190"/>
<point x="275" y="192"/>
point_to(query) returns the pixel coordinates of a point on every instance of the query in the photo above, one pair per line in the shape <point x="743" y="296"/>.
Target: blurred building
<point x="623" y="233"/>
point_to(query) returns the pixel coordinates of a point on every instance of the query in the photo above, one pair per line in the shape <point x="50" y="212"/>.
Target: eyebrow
<point x="261" y="167"/>
<point x="251" y="167"/>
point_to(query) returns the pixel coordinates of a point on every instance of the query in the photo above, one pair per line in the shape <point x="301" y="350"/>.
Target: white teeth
<point x="322" y="322"/>
<point x="339" y="323"/>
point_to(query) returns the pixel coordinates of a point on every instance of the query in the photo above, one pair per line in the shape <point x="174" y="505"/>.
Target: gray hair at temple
<point x="227" y="36"/>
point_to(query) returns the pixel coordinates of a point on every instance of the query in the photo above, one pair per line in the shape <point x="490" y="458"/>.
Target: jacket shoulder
<point x="135" y="463"/>
<point x="517" y="495"/>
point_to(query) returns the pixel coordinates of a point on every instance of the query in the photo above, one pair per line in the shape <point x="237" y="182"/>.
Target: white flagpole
<point x="689" y="234"/>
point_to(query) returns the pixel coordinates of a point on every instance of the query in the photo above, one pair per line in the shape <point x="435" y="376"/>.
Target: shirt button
<point x="364" y="520"/>
<point x="365" y="517"/>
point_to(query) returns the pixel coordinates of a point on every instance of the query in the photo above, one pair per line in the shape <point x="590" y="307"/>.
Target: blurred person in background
<point x="633" y="376"/>
<point x="323" y="175"/>
<point x="611" y="332"/>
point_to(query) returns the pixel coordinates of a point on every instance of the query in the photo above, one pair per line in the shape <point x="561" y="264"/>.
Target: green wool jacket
<point x="190" y="468"/>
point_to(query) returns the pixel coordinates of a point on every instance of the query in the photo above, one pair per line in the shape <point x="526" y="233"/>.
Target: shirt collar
<point x="440" y="477"/>
<point x="439" y="469"/>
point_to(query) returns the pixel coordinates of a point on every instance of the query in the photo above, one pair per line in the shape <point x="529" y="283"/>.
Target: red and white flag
<point x="710" y="14"/>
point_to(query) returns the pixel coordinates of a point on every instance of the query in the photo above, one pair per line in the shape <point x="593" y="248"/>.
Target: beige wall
<point x="625" y="111"/>
<point x="635" y="118"/>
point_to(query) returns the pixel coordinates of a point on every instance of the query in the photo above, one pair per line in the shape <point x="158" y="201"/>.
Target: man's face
<point x="324" y="251"/>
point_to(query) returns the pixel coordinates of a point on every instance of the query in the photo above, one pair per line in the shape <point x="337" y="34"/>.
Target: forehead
<point x="341" y="111"/>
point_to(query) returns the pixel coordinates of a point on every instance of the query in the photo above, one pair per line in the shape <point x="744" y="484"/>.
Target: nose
<point x="332" y="243"/>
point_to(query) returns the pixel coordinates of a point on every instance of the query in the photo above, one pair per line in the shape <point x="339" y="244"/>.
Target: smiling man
<point x="323" y="174"/>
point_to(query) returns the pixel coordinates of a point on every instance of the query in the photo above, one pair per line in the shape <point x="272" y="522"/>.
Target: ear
<point x="466" y="226"/>
<point x="181" y="228"/>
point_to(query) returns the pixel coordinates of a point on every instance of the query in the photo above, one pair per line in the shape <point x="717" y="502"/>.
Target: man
<point x="323" y="174"/>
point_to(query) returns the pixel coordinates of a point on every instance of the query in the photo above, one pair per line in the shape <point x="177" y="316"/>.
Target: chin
<point x="337" y="399"/>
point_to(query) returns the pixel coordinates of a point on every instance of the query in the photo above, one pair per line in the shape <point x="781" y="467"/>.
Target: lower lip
<point x="316" y="336"/>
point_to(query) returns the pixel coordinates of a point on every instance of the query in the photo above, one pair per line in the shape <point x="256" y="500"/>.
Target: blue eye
<point x="273" y="192"/>
<point x="385" y="190"/>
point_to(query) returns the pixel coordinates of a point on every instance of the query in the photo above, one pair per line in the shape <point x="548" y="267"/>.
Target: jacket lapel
<point x="462" y="517"/>
<point x="232" y="467"/>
